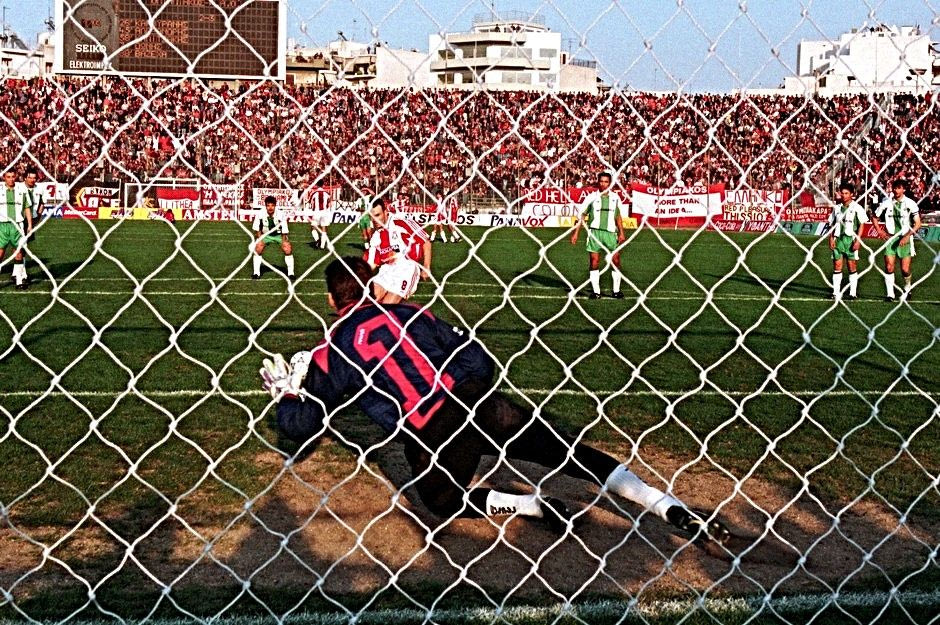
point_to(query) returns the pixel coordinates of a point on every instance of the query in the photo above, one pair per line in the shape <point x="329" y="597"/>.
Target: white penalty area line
<point x="734" y="608"/>
<point x="539" y="392"/>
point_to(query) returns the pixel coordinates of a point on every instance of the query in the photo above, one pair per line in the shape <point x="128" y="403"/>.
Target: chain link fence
<point x="729" y="434"/>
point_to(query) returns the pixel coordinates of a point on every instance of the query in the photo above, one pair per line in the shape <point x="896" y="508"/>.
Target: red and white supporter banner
<point x="697" y="201"/>
<point x="751" y="205"/>
<point x="556" y="204"/>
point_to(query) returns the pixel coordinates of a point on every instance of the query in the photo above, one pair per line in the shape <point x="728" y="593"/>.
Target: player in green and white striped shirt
<point x="901" y="216"/>
<point x="14" y="211"/>
<point x="845" y="238"/>
<point x="602" y="213"/>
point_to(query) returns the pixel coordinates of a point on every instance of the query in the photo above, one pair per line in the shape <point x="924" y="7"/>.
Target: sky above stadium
<point x="698" y="45"/>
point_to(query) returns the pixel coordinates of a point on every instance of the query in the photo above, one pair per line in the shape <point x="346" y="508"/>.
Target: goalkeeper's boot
<point x="556" y="514"/>
<point x="701" y="526"/>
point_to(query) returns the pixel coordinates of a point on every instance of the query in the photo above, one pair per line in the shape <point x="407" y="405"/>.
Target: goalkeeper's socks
<point x="626" y="484"/>
<point x="256" y="264"/>
<point x="504" y="504"/>
<point x="595" y="277"/>
<point x="837" y="285"/>
<point x="889" y="284"/>
<point x="289" y="261"/>
<point x="615" y="275"/>
<point x="853" y="284"/>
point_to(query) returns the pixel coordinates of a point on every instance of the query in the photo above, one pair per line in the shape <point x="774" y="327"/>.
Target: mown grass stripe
<point x="731" y="608"/>
<point x="524" y="391"/>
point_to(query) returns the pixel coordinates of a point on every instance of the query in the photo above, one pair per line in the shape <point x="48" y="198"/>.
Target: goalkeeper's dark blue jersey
<point x="399" y="364"/>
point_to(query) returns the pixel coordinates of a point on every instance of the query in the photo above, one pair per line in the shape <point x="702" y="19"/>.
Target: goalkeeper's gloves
<point x="281" y="379"/>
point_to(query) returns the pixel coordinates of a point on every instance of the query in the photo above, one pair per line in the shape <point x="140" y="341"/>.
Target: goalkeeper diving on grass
<point x="431" y="385"/>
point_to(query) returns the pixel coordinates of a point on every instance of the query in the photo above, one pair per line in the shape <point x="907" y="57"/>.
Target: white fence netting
<point x="714" y="348"/>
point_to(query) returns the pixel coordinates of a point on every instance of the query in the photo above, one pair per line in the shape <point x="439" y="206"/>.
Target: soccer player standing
<point x="846" y="224"/>
<point x="602" y="214"/>
<point x="400" y="249"/>
<point x="270" y="226"/>
<point x="901" y="216"/>
<point x="365" y="225"/>
<point x="16" y="210"/>
<point x="430" y="385"/>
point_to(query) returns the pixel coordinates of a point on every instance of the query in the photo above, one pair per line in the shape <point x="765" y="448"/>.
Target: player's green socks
<point x="626" y="484"/>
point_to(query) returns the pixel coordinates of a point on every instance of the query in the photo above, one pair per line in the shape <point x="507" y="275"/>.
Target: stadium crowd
<point x="268" y="134"/>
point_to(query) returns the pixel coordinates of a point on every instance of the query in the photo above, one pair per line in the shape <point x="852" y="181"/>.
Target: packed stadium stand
<point x="283" y="135"/>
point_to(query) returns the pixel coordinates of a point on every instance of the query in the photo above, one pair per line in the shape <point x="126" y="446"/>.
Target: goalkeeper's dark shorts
<point x="495" y="421"/>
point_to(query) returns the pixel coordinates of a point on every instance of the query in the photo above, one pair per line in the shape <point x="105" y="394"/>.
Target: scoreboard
<point x="228" y="39"/>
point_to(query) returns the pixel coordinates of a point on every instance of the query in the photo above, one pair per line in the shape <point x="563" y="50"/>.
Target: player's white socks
<point x="19" y="272"/>
<point x="853" y="284"/>
<point x="907" y="284"/>
<point x="504" y="504"/>
<point x="837" y="285"/>
<point x="889" y="284"/>
<point x="595" y="276"/>
<point x="256" y="264"/>
<point x="615" y="274"/>
<point x="315" y="235"/>
<point x="433" y="234"/>
<point x="289" y="260"/>
<point x="626" y="484"/>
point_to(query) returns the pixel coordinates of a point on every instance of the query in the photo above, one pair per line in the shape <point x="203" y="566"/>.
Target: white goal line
<point x="740" y="297"/>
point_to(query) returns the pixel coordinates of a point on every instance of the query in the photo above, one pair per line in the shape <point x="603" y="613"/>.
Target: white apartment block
<point x="351" y="64"/>
<point x="507" y="50"/>
<point x="17" y="60"/>
<point x="881" y="58"/>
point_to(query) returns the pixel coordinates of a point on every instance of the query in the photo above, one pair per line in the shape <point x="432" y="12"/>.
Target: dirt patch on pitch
<point x="350" y="535"/>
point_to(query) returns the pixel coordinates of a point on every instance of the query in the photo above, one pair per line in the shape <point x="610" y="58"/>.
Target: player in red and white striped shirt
<point x="400" y="249"/>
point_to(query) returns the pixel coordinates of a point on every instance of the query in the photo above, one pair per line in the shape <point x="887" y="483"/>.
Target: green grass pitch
<point x="723" y="343"/>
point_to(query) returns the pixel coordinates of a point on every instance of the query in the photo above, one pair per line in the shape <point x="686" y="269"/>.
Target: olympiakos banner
<point x="677" y="202"/>
<point x="808" y="208"/>
<point x="285" y="198"/>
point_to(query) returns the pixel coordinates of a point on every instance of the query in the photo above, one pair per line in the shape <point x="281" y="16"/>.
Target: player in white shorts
<point x="442" y="217"/>
<point x="401" y="251"/>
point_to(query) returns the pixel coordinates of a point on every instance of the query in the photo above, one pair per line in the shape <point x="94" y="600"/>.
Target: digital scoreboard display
<point x="172" y="38"/>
